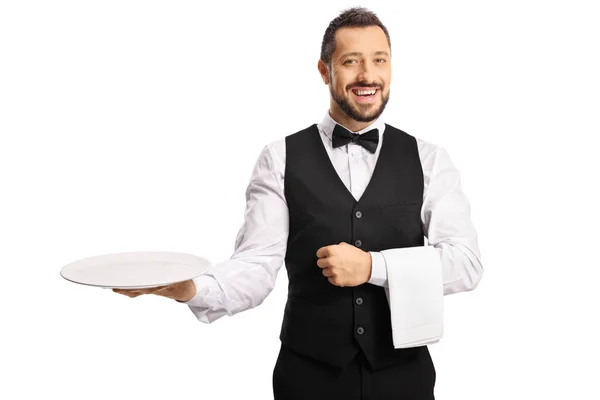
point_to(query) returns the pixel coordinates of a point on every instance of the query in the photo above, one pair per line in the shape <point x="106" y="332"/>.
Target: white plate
<point x="134" y="270"/>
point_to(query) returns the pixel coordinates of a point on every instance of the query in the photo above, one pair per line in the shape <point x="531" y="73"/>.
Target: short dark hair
<point x="352" y="17"/>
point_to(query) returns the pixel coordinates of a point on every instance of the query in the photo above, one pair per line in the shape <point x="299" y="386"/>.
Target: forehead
<point x="366" y="40"/>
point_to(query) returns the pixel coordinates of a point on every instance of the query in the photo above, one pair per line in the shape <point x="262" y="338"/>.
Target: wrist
<point x="188" y="291"/>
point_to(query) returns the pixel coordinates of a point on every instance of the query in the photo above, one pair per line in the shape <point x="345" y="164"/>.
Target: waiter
<point x="329" y="201"/>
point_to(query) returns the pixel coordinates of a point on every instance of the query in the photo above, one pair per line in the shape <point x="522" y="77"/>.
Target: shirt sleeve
<point x="446" y="218"/>
<point x="247" y="278"/>
<point x="378" y="269"/>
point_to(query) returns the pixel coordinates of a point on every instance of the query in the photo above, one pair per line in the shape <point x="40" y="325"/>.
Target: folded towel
<point x="415" y="295"/>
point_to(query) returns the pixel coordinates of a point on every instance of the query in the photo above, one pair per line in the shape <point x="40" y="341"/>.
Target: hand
<point x="344" y="264"/>
<point x="182" y="291"/>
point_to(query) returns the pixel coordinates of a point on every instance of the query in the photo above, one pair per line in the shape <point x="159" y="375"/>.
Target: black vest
<point x="328" y="322"/>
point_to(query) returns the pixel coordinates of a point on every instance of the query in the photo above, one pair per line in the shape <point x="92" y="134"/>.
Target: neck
<point x="343" y="119"/>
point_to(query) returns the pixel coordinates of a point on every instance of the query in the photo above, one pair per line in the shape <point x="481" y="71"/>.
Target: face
<point x="360" y="72"/>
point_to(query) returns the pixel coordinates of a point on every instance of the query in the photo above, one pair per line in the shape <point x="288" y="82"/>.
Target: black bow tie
<point x="368" y="140"/>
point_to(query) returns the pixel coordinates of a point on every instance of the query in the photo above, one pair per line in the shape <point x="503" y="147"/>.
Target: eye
<point x="381" y="60"/>
<point x="349" y="61"/>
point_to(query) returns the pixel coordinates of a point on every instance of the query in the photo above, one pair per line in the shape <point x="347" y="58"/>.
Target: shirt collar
<point x="328" y="123"/>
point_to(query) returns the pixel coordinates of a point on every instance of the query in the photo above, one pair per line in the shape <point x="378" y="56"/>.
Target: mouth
<point x="364" y="94"/>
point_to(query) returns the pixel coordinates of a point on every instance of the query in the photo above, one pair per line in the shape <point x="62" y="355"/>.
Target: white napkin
<point x="415" y="295"/>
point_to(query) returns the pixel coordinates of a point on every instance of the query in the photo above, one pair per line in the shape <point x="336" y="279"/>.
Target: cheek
<point x="340" y="81"/>
<point x="387" y="78"/>
<point x="338" y="86"/>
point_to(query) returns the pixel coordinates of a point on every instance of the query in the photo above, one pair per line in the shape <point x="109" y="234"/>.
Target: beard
<point x="354" y="112"/>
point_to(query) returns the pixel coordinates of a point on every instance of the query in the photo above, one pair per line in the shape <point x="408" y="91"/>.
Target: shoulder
<point x="276" y="150"/>
<point x="434" y="159"/>
<point x="428" y="151"/>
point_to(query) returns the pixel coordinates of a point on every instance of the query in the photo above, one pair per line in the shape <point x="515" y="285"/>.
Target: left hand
<point x="344" y="264"/>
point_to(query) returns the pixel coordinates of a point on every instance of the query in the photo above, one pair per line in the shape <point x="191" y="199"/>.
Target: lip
<point x="362" y="99"/>
<point x="364" y="88"/>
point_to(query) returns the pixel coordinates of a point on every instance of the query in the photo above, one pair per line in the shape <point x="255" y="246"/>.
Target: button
<point x="358" y="214"/>
<point x="359" y="300"/>
<point x="360" y="330"/>
<point x="358" y="243"/>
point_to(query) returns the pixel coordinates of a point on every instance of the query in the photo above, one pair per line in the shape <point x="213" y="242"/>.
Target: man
<point x="330" y="201"/>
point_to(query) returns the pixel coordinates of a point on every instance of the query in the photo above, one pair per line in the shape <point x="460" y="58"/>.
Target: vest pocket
<point x="399" y="208"/>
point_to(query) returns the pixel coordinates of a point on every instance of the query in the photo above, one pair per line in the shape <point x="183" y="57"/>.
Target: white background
<point x="134" y="125"/>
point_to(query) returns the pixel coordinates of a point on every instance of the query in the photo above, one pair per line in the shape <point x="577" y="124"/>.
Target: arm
<point x="245" y="280"/>
<point x="448" y="227"/>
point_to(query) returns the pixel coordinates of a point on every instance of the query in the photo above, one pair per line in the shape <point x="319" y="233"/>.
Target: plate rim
<point x="80" y="260"/>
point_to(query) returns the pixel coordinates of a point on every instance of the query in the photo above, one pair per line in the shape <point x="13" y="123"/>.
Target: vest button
<point x="360" y="330"/>
<point x="359" y="300"/>
<point x="358" y="214"/>
<point x="358" y="243"/>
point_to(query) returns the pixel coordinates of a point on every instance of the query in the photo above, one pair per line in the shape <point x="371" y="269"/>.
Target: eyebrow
<point x="358" y="54"/>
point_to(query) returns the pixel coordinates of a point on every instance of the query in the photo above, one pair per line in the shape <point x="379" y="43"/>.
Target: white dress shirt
<point x="247" y="278"/>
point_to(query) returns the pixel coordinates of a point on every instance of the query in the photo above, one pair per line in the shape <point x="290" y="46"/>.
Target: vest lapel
<point x="326" y="166"/>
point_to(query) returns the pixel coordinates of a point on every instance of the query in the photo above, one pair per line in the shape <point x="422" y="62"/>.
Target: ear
<point x="323" y="71"/>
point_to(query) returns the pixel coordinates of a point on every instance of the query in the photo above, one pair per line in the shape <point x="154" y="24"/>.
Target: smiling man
<point x="346" y="204"/>
<point x="358" y="73"/>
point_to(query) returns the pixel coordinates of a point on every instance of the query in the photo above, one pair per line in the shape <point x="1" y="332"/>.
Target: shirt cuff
<point x="206" y="292"/>
<point x="378" y="269"/>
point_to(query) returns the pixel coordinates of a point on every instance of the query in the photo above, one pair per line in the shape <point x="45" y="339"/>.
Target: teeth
<point x="364" y="92"/>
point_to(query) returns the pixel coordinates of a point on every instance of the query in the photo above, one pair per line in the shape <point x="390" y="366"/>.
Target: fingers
<point x="328" y="272"/>
<point x="335" y="281"/>
<point x="171" y="291"/>
<point x="331" y="272"/>
<point x="328" y="251"/>
<point x="325" y="262"/>
<point x="165" y="291"/>
<point x="138" y="292"/>
<point x="127" y="292"/>
<point x="325" y="251"/>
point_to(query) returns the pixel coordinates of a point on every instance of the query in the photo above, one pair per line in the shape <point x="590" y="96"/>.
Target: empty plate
<point x="135" y="270"/>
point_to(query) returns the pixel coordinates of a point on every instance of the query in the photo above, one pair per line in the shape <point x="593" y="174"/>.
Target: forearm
<point x="231" y="287"/>
<point x="461" y="266"/>
<point x="245" y="280"/>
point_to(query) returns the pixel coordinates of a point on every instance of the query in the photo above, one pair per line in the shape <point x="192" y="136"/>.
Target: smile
<point x="365" y="95"/>
<point x="362" y="92"/>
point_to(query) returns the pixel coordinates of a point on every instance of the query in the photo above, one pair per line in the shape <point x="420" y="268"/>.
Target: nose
<point x="365" y="73"/>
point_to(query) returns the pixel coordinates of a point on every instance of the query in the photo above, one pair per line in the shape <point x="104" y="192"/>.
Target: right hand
<point x="182" y="291"/>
